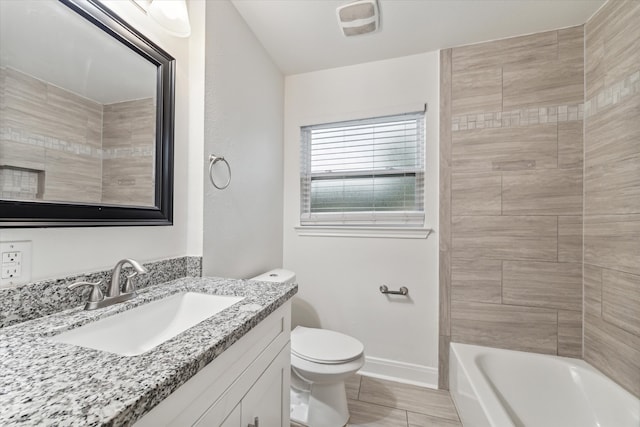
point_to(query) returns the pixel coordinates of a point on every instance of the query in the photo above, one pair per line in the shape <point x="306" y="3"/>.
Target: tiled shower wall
<point x="511" y="194"/>
<point x="128" y="151"/>
<point x="612" y="193"/>
<point x="78" y="150"/>
<point x="51" y="132"/>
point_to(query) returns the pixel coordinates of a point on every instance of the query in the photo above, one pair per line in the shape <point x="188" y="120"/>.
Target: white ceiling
<point x="303" y="35"/>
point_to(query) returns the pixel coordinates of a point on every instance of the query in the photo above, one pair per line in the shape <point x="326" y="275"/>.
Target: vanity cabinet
<point x="250" y="379"/>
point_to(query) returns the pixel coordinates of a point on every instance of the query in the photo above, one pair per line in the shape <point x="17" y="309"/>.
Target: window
<point x="364" y="172"/>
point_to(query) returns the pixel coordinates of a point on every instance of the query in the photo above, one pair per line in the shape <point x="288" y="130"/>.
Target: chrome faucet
<point x="114" y="294"/>
<point x="113" y="291"/>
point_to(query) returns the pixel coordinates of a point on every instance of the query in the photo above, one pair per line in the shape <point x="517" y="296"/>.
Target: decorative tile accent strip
<point x="613" y="94"/>
<point x="33" y="300"/>
<point x="29" y="138"/>
<point x="518" y="118"/>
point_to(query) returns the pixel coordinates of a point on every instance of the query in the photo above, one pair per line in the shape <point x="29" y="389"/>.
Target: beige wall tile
<point x="422" y="400"/>
<point x="366" y="414"/>
<point x="477" y="91"/>
<point x="570" y="333"/>
<point x="612" y="160"/>
<point x="622" y="32"/>
<point x="70" y="177"/>
<point x="533" y="147"/>
<point x="477" y="280"/>
<point x="592" y="290"/>
<point x="505" y="326"/>
<point x="443" y="361"/>
<point x="505" y="237"/>
<point x="571" y="43"/>
<point x="570" y="238"/>
<point x="444" y="262"/>
<point x="594" y="53"/>
<point x="549" y="192"/>
<point x="542" y="284"/>
<point x="613" y="241"/>
<point x="21" y="155"/>
<point x="570" y="145"/>
<point x="476" y="194"/>
<point x="621" y="300"/>
<point x="521" y="51"/>
<point x="614" y="351"/>
<point x="543" y="85"/>
<point x="421" y="420"/>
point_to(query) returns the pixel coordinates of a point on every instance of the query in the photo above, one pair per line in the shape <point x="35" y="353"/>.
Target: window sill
<point x="371" y="232"/>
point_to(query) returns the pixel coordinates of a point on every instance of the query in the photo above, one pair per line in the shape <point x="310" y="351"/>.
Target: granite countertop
<point x="55" y="384"/>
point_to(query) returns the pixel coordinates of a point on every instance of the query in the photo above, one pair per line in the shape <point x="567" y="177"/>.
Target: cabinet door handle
<point x="256" y="423"/>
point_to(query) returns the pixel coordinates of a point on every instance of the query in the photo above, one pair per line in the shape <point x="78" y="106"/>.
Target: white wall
<point x="62" y="251"/>
<point x="339" y="277"/>
<point x="244" y="93"/>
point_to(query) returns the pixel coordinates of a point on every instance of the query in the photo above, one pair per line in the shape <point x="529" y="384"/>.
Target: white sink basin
<point x="140" y="329"/>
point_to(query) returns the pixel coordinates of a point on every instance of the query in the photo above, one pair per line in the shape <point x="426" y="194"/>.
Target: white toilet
<point x="321" y="360"/>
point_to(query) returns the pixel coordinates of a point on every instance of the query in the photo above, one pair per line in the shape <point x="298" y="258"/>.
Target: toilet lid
<point x="324" y="346"/>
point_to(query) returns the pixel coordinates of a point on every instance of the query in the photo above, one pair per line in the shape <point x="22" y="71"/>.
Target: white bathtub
<point x="504" y="388"/>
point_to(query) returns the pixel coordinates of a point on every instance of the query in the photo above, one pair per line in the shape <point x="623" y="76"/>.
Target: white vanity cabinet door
<point x="214" y="396"/>
<point x="268" y="399"/>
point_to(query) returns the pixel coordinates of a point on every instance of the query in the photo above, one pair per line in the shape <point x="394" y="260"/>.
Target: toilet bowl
<point x="321" y="360"/>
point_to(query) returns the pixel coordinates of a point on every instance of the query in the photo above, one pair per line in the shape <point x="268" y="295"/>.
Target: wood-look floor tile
<point x="422" y="400"/>
<point x="371" y="415"/>
<point x="422" y="420"/>
<point x="352" y="385"/>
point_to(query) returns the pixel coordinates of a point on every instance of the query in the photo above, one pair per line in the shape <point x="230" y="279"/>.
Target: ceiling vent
<point x="359" y="17"/>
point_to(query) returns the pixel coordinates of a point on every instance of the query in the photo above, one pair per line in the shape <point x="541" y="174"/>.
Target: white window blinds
<point x="364" y="172"/>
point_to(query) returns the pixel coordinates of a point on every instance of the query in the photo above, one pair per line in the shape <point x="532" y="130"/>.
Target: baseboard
<point x="407" y="373"/>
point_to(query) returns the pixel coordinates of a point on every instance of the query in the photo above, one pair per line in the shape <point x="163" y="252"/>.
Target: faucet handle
<point x="96" y="293"/>
<point x="129" y="285"/>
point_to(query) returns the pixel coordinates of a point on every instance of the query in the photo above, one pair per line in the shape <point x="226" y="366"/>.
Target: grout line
<point x="359" y="387"/>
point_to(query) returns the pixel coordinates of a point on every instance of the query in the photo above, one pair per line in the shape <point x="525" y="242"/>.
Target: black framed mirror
<point x="87" y="118"/>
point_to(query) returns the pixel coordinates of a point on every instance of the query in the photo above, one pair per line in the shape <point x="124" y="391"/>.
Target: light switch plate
<point x="15" y="263"/>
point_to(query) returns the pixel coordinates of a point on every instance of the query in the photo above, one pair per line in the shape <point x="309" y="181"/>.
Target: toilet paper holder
<point x="385" y="290"/>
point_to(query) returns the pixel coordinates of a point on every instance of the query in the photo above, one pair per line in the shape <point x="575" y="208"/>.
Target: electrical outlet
<point x="15" y="266"/>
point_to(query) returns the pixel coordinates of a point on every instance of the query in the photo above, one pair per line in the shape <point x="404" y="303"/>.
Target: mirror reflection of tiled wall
<point x="59" y="146"/>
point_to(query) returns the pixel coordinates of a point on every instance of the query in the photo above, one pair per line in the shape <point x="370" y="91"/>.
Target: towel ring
<point x="213" y="159"/>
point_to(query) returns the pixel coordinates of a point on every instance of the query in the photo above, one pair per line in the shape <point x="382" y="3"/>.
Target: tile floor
<point x="380" y="403"/>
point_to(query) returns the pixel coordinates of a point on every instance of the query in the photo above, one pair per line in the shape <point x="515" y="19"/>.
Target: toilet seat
<point x="324" y="346"/>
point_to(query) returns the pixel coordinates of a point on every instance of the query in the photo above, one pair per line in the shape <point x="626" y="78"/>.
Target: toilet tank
<point x="277" y="275"/>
